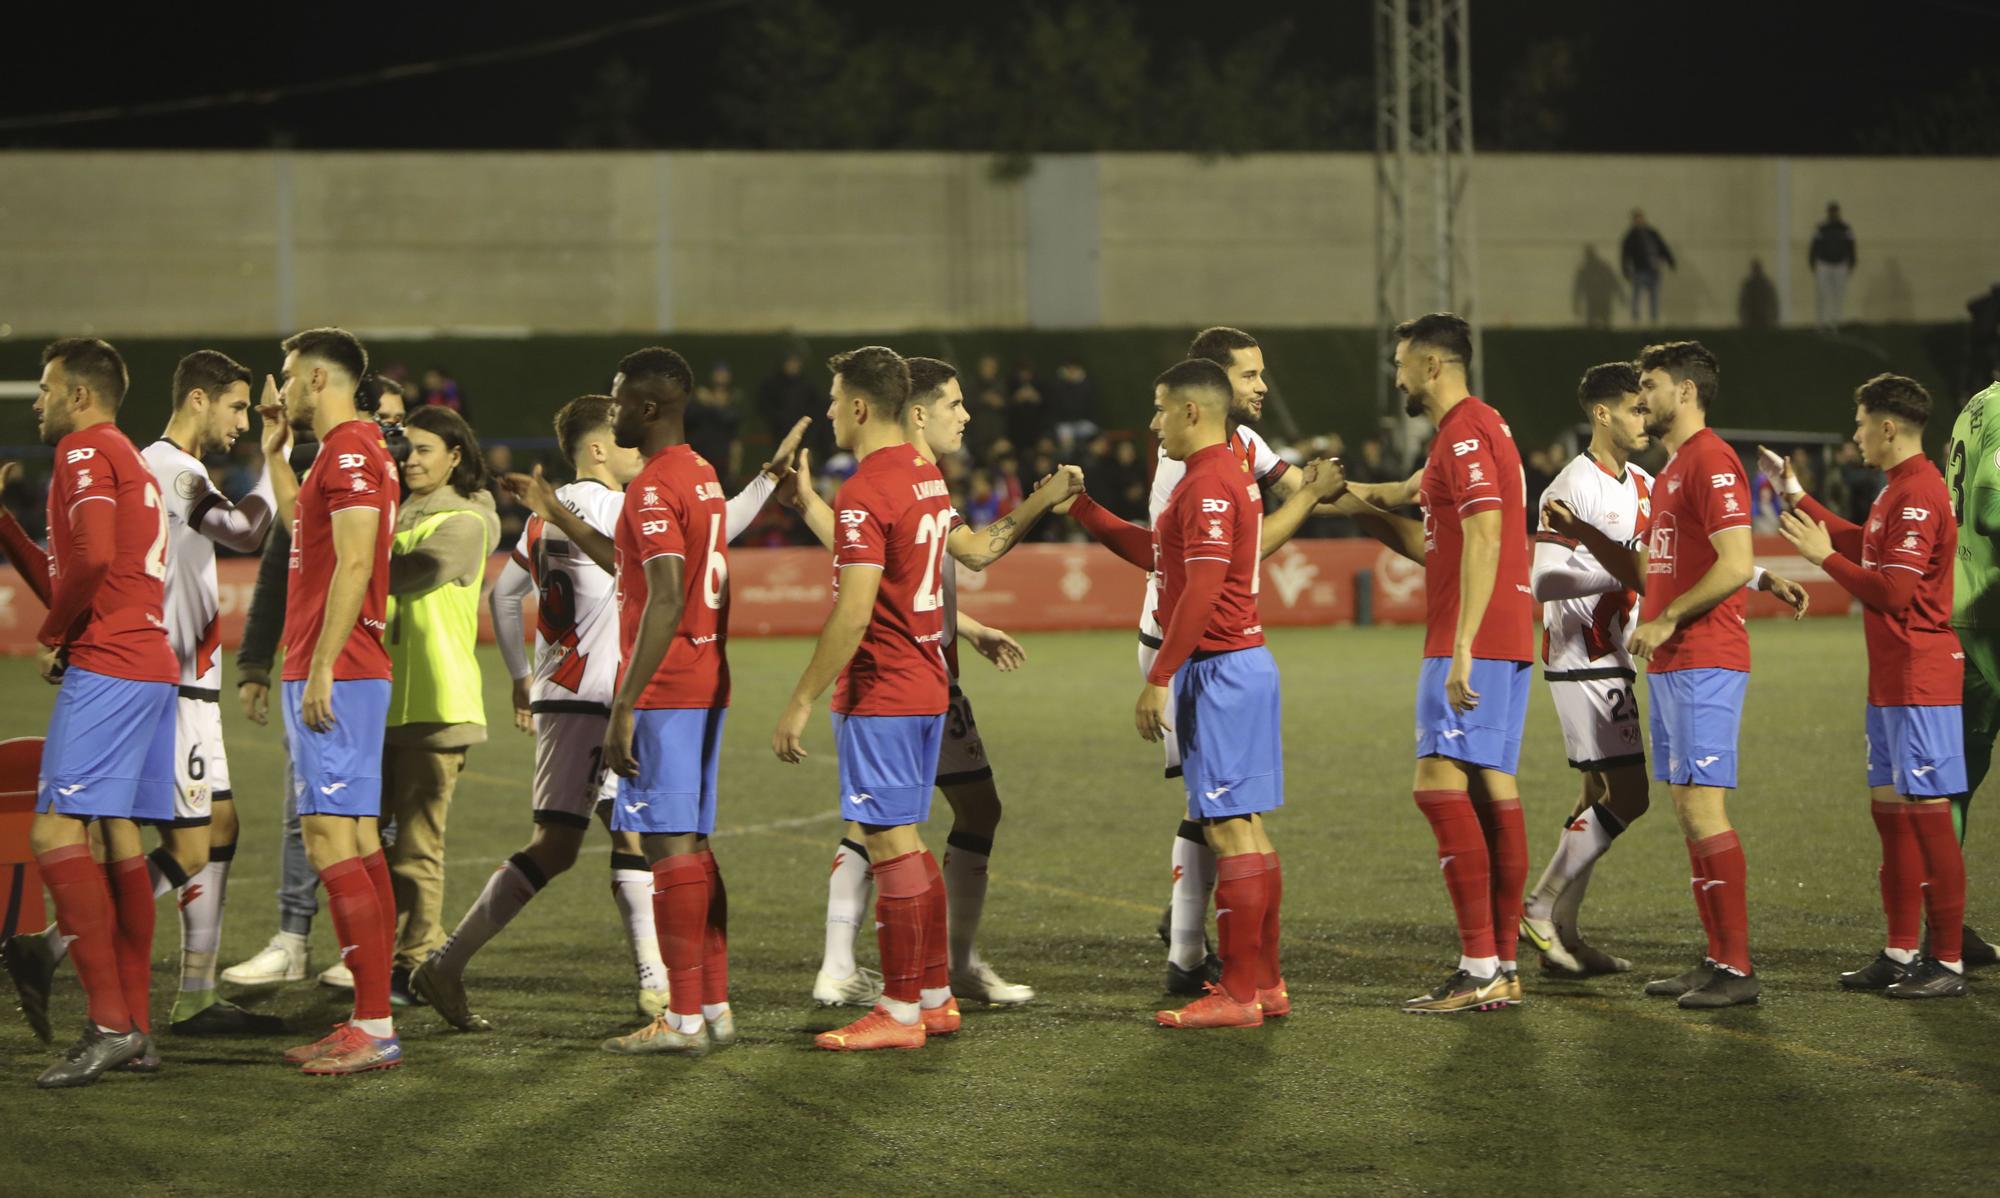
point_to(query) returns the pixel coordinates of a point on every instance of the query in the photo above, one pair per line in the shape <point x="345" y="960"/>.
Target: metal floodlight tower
<point x="1423" y="179"/>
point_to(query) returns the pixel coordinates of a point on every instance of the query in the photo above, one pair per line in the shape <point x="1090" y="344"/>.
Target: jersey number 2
<point x="156" y="556"/>
<point x="932" y="531"/>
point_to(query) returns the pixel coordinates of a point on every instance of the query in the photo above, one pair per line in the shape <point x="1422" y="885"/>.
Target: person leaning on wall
<point x="444" y="531"/>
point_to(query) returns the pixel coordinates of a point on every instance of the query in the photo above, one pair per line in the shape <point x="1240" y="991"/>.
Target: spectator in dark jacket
<point x="1832" y="258"/>
<point x="1641" y="255"/>
<point x="787" y="395"/>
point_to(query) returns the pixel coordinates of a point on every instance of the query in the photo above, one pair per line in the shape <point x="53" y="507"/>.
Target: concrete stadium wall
<point x="220" y="244"/>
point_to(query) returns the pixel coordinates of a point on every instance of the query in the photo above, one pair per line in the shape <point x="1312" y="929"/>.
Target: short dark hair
<point x="208" y="371"/>
<point x="1197" y="374"/>
<point x="470" y="475"/>
<point x="1895" y="395"/>
<point x="928" y="377"/>
<point x="93" y="360"/>
<point x="369" y="391"/>
<point x="658" y="367"/>
<point x="1447" y="332"/>
<point x="336" y="346"/>
<point x="878" y="373"/>
<point x="1686" y="361"/>
<point x="577" y="417"/>
<point x="1607" y="382"/>
<point x="1219" y="344"/>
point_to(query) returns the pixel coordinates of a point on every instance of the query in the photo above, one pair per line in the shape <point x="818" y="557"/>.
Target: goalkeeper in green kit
<point x="1972" y="469"/>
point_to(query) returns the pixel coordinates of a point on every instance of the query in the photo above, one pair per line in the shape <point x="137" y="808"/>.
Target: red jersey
<point x="353" y="470"/>
<point x="1474" y="467"/>
<point x="1216" y="514"/>
<point x="675" y="508"/>
<point x="1702" y="490"/>
<point x="894" y="514"/>
<point x="1914" y="658"/>
<point x="121" y="632"/>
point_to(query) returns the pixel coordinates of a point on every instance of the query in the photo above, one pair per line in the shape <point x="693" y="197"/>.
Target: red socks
<point x="84" y="914"/>
<point x="937" y="939"/>
<point x="1723" y="876"/>
<point x="1944" y="871"/>
<point x="1507" y="851"/>
<point x="132" y="896"/>
<point x="385" y="896"/>
<point x="1242" y="904"/>
<point x="1274" y="893"/>
<point x="364" y="945"/>
<point x="1467" y="872"/>
<point x="1698" y="885"/>
<point x="902" y="887"/>
<point x="1902" y="872"/>
<point x="715" y="945"/>
<point x="680" y="919"/>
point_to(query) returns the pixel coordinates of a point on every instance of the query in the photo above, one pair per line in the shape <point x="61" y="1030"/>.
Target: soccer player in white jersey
<point x="934" y="420"/>
<point x="565" y="696"/>
<point x="211" y="395"/>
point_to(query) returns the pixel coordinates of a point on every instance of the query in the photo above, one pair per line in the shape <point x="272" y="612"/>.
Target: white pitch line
<point x="776" y="825"/>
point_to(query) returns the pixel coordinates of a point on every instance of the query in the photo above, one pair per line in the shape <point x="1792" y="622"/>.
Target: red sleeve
<point x="353" y="478"/>
<point x="93" y="530"/>
<point x="1205" y="576"/>
<point x="1721" y="493"/>
<point x="859" y="536"/>
<point x="1472" y="478"/>
<point x="1121" y="537"/>
<point x="1887" y="591"/>
<point x="1846" y="536"/>
<point x="1912" y="534"/>
<point x="29" y="558"/>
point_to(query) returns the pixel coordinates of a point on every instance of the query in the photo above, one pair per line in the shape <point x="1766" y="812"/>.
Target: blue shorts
<point x="679" y="750"/>
<point x="1226" y="722"/>
<point x="1918" y="750"/>
<point x="1489" y="736"/>
<point x="1695" y="715"/>
<point x="110" y="749"/>
<point x="888" y="764"/>
<point x="339" y="771"/>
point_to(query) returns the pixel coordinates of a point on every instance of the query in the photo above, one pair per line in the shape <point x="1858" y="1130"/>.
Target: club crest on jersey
<point x="1215" y="530"/>
<point x="189" y="485"/>
<point x="1673" y="484"/>
<point x="1477" y="474"/>
<point x="1729" y="504"/>
<point x="83" y="479"/>
<point x="650" y="497"/>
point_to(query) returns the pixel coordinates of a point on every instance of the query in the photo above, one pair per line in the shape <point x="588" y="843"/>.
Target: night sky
<point x="1699" y="76"/>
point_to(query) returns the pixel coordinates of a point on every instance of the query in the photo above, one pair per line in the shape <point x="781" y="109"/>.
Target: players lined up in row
<point x="1211" y="687"/>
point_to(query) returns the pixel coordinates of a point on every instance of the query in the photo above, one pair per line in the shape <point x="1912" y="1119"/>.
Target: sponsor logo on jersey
<point x="1461" y="448"/>
<point x="1916" y="513"/>
<point x="655" y="527"/>
<point x="1215" y="505"/>
<point x="350" y="461"/>
<point x="1719" y="481"/>
<point x="80" y="455"/>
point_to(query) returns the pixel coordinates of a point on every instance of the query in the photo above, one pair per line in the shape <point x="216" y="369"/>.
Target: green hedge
<point x="1792" y="379"/>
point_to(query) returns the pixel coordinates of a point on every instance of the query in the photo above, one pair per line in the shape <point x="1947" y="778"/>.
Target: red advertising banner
<point x="1036" y="588"/>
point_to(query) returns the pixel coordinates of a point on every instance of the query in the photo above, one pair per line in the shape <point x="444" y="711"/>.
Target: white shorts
<point x="570" y="778"/>
<point x="201" y="767"/>
<point x="962" y="755"/>
<point x="1147" y="653"/>
<point x="1599" y="711"/>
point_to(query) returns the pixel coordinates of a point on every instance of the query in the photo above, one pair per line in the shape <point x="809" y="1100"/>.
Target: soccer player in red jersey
<point x="883" y="642"/>
<point x="1213" y="668"/>
<point x="1900" y="566"/>
<point x="1472" y="692"/>
<point x="105" y="644"/>
<point x="336" y="680"/>
<point x="1697" y="654"/>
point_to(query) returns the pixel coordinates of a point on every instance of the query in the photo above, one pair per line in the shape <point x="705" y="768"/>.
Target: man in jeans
<point x="284" y="958"/>
<point x="1641" y="255"/>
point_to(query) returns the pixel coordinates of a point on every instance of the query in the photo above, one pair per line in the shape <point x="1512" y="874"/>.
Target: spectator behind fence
<point x="1025" y="412"/>
<point x="1070" y="400"/>
<point x="788" y="394"/>
<point x="1595" y="290"/>
<point x="715" y="425"/>
<point x="1641" y="256"/>
<point x="1757" y="299"/>
<point x="1371" y="464"/>
<point x="442" y="391"/>
<point x="1832" y="257"/>
<point x="982" y="502"/>
<point x="1116" y="478"/>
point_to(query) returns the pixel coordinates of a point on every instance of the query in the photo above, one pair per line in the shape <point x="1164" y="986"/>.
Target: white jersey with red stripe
<point x="193" y="611"/>
<point x="1258" y="459"/>
<point x="1591" y="632"/>
<point x="576" y="619"/>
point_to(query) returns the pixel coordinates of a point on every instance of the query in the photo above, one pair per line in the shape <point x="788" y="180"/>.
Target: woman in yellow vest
<point x="445" y="530"/>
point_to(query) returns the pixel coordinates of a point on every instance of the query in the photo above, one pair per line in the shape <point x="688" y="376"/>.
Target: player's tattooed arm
<point x="539" y="497"/>
<point x="978" y="549"/>
<point x="1735" y="561"/>
<point x="659" y="620"/>
<point x="1313" y="490"/>
<point x="838" y="639"/>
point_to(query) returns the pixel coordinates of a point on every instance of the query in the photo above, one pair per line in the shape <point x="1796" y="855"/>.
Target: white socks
<point x="1194" y="880"/>
<point x="847" y="904"/>
<point x="201" y="919"/>
<point x="1584" y="839"/>
<point x="1480" y="967"/>
<point x="965" y="858"/>
<point x="906" y="1013"/>
<point x="381" y="1029"/>
<point x="632" y="889"/>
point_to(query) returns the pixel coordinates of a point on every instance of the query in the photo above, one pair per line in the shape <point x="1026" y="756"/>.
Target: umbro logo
<point x="327" y="790"/>
<point x="1705" y="762"/>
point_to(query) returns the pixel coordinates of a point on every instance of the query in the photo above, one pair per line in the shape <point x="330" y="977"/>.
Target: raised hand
<point x="1558" y="519"/>
<point x="532" y="490"/>
<point x="1810" y="537"/>
<point x="1778" y="469"/>
<point x="276" y="436"/>
<point x="796" y="485"/>
<point x="10" y="473"/>
<point x="783" y="459"/>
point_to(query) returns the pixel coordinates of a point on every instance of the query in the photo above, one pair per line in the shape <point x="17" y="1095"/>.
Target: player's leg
<point x="849" y="887"/>
<point x="715" y="1008"/>
<point x="966" y="778"/>
<point x="1228" y="719"/>
<point x="1929" y="761"/>
<point x="888" y="768"/>
<point x="1901" y="874"/>
<point x="1708" y="707"/>
<point x="1600" y="725"/>
<point x="1184" y="924"/>
<point x="632" y="891"/>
